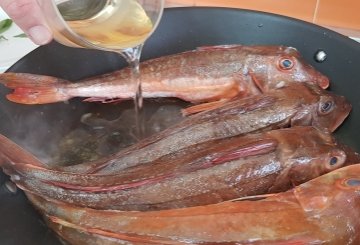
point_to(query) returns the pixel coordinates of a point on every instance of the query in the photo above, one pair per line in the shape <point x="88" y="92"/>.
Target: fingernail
<point x="40" y="35"/>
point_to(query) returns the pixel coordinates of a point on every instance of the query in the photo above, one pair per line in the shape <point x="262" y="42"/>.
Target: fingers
<point x="27" y="15"/>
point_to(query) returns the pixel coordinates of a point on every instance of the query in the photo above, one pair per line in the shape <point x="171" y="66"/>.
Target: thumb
<point x="28" y="16"/>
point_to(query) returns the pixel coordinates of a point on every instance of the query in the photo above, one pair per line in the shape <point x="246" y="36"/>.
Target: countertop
<point x="13" y="48"/>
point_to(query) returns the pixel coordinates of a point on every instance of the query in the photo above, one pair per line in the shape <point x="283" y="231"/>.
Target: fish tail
<point x="34" y="89"/>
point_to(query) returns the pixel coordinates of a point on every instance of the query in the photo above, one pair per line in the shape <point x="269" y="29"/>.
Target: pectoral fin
<point x="104" y="100"/>
<point x="203" y="107"/>
<point x="258" y="83"/>
<point x="258" y="147"/>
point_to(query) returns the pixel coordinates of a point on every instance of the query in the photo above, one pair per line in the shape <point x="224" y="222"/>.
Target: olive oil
<point x="119" y="25"/>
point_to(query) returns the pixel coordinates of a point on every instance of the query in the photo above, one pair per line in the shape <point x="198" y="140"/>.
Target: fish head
<point x="305" y="158"/>
<point x="335" y="194"/>
<point x="315" y="106"/>
<point x="330" y="111"/>
<point x="348" y="178"/>
<point x="277" y="64"/>
<point x="311" y="162"/>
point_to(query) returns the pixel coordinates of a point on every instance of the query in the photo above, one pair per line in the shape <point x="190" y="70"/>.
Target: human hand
<point x="28" y="16"/>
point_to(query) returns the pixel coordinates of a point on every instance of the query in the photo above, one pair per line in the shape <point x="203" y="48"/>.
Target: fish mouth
<point x="323" y="82"/>
<point x="346" y="109"/>
<point x="352" y="157"/>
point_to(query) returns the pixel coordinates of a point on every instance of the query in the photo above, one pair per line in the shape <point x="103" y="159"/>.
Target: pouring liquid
<point x="114" y="25"/>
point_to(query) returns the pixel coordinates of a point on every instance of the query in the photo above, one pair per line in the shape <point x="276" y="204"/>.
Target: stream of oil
<point x="115" y="25"/>
<point x="132" y="56"/>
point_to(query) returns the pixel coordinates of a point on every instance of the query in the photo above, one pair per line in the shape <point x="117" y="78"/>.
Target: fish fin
<point x="218" y="47"/>
<point x="303" y="117"/>
<point x="104" y="100"/>
<point x="283" y="181"/>
<point x="203" y="107"/>
<point x="253" y="198"/>
<point x="253" y="105"/>
<point x="10" y="79"/>
<point x="259" y="84"/>
<point x="12" y="152"/>
<point x="34" y="89"/>
<point x="259" y="147"/>
<point x="36" y="96"/>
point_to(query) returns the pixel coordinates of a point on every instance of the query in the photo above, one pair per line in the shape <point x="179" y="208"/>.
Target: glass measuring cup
<point x="112" y="25"/>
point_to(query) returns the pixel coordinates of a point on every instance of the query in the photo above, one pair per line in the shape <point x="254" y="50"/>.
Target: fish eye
<point x="286" y="64"/>
<point x="352" y="182"/>
<point x="333" y="161"/>
<point x="326" y="107"/>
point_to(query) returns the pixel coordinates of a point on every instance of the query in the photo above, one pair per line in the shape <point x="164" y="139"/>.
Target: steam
<point x="67" y="134"/>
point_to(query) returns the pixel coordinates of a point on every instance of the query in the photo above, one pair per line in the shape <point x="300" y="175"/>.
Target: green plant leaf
<point x="3" y="38"/>
<point x="21" y="35"/>
<point x="5" y="25"/>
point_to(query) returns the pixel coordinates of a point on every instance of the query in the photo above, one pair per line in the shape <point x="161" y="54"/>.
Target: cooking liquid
<point x="106" y="129"/>
<point x="118" y="25"/>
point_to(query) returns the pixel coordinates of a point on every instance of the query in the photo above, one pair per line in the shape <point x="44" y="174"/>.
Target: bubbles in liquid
<point x="97" y="136"/>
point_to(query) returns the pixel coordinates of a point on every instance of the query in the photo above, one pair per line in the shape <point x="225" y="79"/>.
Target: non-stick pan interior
<point x="36" y="127"/>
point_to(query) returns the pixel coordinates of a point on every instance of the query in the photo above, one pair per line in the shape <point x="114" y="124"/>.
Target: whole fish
<point x="240" y="166"/>
<point x="290" y="105"/>
<point x="203" y="75"/>
<point x="324" y="210"/>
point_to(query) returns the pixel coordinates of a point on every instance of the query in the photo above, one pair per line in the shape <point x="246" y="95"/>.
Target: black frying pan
<point x="180" y="29"/>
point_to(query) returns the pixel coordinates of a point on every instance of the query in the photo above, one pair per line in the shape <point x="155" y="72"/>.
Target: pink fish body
<point x="324" y="210"/>
<point x="240" y="166"/>
<point x="293" y="104"/>
<point x="204" y="75"/>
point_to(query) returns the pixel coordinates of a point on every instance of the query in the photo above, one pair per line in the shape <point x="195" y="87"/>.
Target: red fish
<point x="292" y="104"/>
<point x="240" y="166"/>
<point x="203" y="75"/>
<point x="324" y="210"/>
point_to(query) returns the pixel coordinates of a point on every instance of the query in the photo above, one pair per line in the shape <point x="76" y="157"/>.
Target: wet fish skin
<point x="321" y="211"/>
<point x="203" y="75"/>
<point x="293" y="104"/>
<point x="208" y="173"/>
<point x="73" y="236"/>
